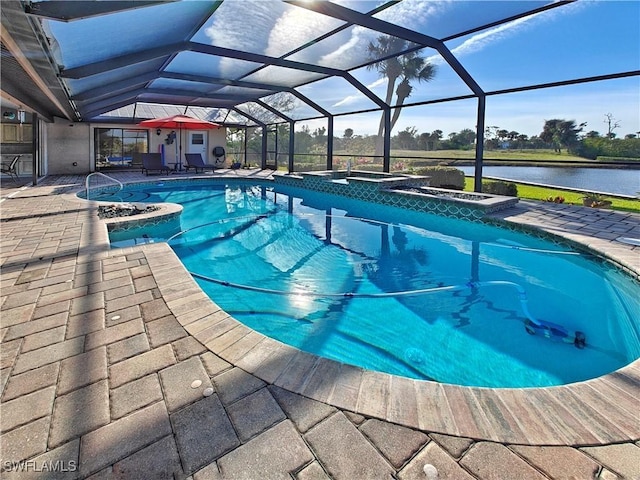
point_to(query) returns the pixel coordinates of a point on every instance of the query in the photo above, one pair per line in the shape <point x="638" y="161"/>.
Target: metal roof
<point x="233" y="61"/>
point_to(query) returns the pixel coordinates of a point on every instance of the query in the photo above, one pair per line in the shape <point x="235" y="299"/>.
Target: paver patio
<point x="108" y="370"/>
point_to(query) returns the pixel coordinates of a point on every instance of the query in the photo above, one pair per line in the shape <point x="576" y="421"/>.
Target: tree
<point x="423" y="141"/>
<point x="467" y="136"/>
<point x="345" y="142"/>
<point x="491" y="137"/>
<point x="593" y="147"/>
<point x="406" y="139"/>
<point x="463" y="139"/>
<point x="434" y="139"/>
<point x="612" y="124"/>
<point x="429" y="141"/>
<point x="561" y="133"/>
<point x="280" y="101"/>
<point x="522" y="140"/>
<point x="320" y="133"/>
<point x="282" y="135"/>
<point x="502" y="135"/>
<point x="406" y="68"/>
<point x="304" y="140"/>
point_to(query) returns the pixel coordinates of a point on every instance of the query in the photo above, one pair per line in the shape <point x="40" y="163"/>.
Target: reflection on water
<point x="398" y="291"/>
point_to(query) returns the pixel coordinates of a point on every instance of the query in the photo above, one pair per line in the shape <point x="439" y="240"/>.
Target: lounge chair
<point x="194" y="160"/>
<point x="136" y="160"/>
<point x="11" y="168"/>
<point x="153" y="162"/>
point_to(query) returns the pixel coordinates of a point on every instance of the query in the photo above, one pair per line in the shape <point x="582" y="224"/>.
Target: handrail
<point x="86" y="183"/>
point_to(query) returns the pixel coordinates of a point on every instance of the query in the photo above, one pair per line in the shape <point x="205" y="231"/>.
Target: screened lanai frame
<point x="210" y="59"/>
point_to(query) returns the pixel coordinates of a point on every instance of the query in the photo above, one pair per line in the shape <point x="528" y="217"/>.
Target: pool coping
<point x="165" y="212"/>
<point x="594" y="412"/>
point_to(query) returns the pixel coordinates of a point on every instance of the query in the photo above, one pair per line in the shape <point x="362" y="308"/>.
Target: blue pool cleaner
<point x="533" y="326"/>
<point x="554" y="331"/>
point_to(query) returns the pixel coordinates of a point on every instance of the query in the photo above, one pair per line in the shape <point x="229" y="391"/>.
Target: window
<point x="119" y="147"/>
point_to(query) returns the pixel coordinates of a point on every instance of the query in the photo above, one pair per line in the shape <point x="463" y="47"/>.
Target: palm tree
<point x="406" y="68"/>
<point x="561" y="133"/>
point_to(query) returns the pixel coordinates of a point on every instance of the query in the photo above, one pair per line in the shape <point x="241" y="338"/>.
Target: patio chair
<point x="194" y="160"/>
<point x="136" y="160"/>
<point x="11" y="168"/>
<point x="153" y="162"/>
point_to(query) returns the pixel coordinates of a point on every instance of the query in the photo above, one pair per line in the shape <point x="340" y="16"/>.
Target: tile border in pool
<point x="568" y="241"/>
<point x="387" y="189"/>
<point x="595" y="412"/>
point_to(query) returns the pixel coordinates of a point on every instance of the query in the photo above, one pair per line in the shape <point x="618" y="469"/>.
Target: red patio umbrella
<point x="179" y="122"/>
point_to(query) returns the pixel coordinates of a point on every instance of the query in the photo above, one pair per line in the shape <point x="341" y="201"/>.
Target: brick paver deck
<point x="114" y="364"/>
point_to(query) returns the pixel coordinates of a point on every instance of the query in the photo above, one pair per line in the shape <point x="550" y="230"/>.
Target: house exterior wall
<point x="216" y="137"/>
<point x="70" y="146"/>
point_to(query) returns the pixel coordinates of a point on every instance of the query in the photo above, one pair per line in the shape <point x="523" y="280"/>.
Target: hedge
<point x="509" y="189"/>
<point x="443" y="177"/>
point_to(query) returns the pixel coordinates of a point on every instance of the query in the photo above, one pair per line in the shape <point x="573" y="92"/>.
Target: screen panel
<point x="269" y="28"/>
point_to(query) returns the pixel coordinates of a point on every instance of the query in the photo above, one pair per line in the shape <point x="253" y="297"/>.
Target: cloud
<point x="351" y="99"/>
<point x="226" y="21"/>
<point x="295" y="27"/>
<point x="270" y="28"/>
<point x="348" y="100"/>
<point x="413" y="13"/>
<point x="481" y="40"/>
<point x="377" y="83"/>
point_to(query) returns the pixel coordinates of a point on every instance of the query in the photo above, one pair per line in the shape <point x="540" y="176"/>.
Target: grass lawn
<point x="533" y="155"/>
<point x="539" y="155"/>
<point x="575" y="198"/>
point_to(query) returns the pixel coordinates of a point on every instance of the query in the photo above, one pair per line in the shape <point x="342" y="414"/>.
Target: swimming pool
<point x="411" y="294"/>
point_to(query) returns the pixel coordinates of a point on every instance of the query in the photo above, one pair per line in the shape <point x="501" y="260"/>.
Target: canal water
<point x="615" y="181"/>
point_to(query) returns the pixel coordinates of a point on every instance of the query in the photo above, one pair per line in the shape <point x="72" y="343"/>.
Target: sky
<point x="584" y="39"/>
<point x="581" y="39"/>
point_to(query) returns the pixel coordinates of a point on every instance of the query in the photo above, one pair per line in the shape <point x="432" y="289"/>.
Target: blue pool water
<point x="400" y="292"/>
